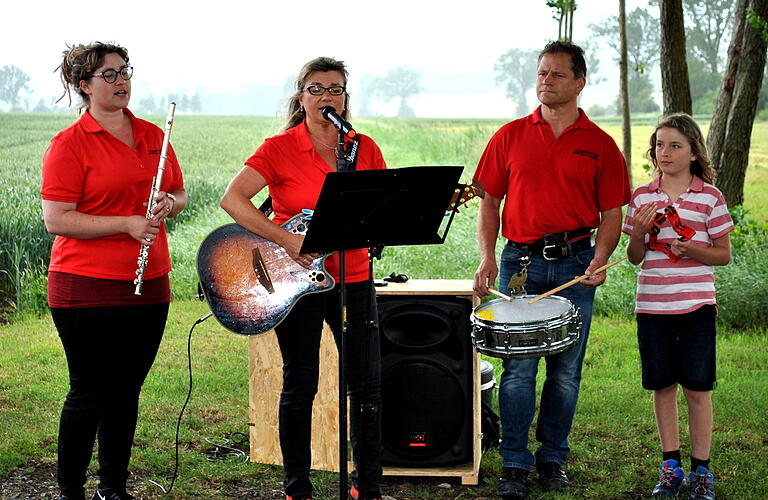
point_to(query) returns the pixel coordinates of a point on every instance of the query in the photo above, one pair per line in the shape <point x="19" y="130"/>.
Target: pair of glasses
<point x="318" y="90"/>
<point x="110" y="75"/>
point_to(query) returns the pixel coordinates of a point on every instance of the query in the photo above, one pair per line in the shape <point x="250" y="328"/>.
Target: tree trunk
<point x="626" y="125"/>
<point x="674" y="68"/>
<point x="719" y="123"/>
<point x="734" y="154"/>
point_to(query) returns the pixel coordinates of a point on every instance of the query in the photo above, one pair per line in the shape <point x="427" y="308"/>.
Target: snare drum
<point x="517" y="329"/>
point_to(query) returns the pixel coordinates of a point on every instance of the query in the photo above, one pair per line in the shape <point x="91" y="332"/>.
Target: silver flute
<point x="156" y="181"/>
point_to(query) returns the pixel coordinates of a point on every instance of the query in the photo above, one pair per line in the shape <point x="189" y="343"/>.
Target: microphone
<point x="342" y="125"/>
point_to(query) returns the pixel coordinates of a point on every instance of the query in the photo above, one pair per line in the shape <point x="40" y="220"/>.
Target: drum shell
<point x="525" y="339"/>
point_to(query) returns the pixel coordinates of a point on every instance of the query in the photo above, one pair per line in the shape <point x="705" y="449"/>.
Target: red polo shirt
<point x="552" y="185"/>
<point x="295" y="174"/>
<point x="88" y="166"/>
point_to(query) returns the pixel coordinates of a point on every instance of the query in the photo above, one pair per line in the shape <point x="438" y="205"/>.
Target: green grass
<point x="212" y="150"/>
<point x="615" y="447"/>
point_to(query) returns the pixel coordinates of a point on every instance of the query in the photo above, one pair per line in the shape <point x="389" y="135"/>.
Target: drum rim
<point x="562" y="317"/>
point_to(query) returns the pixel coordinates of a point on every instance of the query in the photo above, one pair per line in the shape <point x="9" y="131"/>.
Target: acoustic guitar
<point x="251" y="284"/>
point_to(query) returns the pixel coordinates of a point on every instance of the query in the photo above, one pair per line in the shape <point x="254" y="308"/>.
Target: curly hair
<point x="687" y="126"/>
<point x="79" y="63"/>
<point x="296" y="113"/>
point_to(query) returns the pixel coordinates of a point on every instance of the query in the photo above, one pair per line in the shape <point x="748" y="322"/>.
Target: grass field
<point x="614" y="444"/>
<point x="212" y="150"/>
<point x="615" y="450"/>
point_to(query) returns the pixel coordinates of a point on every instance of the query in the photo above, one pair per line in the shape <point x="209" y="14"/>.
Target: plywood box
<point x="265" y="384"/>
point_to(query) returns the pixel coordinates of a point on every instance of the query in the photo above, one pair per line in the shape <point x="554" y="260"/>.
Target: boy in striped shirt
<point x="676" y="305"/>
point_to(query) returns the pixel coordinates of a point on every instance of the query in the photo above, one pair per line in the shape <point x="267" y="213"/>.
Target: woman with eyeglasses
<point x="293" y="165"/>
<point x="97" y="177"/>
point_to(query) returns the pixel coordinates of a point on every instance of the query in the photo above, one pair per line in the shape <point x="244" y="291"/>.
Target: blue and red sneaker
<point x="671" y="481"/>
<point x="702" y="484"/>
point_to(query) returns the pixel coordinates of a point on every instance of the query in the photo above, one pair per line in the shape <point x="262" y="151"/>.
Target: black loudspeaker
<point x="426" y="380"/>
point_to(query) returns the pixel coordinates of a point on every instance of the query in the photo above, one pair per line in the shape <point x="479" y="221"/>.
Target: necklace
<point x="332" y="148"/>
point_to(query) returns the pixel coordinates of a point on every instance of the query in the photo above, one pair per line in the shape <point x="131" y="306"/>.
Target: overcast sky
<point x="226" y="46"/>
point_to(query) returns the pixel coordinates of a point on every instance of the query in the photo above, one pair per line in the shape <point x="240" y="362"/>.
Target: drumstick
<point x="499" y="294"/>
<point x="574" y="281"/>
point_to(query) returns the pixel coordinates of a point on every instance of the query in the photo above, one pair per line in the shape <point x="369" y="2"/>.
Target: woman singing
<point x="293" y="165"/>
<point x="97" y="176"/>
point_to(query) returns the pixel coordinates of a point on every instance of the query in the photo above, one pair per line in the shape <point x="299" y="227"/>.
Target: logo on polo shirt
<point x="588" y="154"/>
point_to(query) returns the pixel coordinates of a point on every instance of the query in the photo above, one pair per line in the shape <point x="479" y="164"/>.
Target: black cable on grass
<point x="184" y="407"/>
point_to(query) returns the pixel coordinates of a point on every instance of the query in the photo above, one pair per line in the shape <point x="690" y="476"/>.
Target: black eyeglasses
<point x="318" y="90"/>
<point x="110" y="75"/>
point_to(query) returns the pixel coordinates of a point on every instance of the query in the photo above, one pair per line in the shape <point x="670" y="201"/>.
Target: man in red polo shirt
<point x="561" y="178"/>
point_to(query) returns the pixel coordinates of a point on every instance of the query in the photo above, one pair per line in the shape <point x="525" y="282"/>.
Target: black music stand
<point x="370" y="208"/>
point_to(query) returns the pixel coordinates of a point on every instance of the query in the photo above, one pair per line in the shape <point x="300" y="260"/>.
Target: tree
<point x="564" y="16"/>
<point x="626" y="125"/>
<point x="707" y="32"/>
<point x="365" y="93"/>
<point x="148" y="106"/>
<point x="12" y="81"/>
<point x="674" y="67"/>
<point x="401" y="82"/>
<point x="708" y="20"/>
<point x="195" y="105"/>
<point x="41" y="107"/>
<point x="642" y="52"/>
<point x="517" y="68"/>
<point x="730" y="131"/>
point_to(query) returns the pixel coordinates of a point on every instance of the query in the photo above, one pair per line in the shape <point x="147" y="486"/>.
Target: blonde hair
<point x="686" y="125"/>
<point x="296" y="113"/>
<point x="79" y="63"/>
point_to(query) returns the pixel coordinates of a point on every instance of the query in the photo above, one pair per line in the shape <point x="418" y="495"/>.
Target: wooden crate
<point x="265" y="384"/>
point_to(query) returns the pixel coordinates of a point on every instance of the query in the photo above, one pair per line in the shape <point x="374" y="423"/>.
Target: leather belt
<point x="555" y="246"/>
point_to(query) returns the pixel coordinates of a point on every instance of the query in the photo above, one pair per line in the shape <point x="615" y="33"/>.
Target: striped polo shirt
<point x="666" y="287"/>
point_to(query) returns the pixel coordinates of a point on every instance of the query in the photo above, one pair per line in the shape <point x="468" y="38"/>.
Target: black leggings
<point x="299" y="338"/>
<point x="109" y="353"/>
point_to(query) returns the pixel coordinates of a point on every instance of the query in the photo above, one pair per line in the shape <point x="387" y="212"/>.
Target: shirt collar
<point x="91" y="125"/>
<point x="697" y="184"/>
<point x="302" y="136"/>
<point x="582" y="122"/>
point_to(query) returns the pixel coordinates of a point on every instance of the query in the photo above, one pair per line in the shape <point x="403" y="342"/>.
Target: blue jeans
<point x="517" y="392"/>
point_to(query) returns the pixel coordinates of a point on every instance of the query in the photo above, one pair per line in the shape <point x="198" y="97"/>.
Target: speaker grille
<point x="426" y="380"/>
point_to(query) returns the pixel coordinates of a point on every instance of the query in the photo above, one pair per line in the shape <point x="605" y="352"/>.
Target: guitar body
<point x="250" y="283"/>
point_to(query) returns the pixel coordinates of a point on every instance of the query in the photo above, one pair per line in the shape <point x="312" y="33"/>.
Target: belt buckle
<point x="544" y="252"/>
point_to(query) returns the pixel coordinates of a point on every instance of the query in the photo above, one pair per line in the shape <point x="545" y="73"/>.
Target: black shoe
<point x="112" y="494"/>
<point x="552" y="476"/>
<point x="71" y="496"/>
<point x="512" y="484"/>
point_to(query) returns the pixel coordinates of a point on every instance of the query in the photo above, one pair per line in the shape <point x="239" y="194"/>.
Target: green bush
<point x="741" y="292"/>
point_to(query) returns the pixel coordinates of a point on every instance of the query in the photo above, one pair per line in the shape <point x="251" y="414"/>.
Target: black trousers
<point x="109" y="353"/>
<point x="299" y="338"/>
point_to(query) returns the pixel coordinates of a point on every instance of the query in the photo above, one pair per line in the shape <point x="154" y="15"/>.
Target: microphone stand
<point x="341" y="166"/>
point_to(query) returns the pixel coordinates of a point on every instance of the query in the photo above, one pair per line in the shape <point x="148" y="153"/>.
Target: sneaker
<point x="552" y="476"/>
<point x="671" y="481"/>
<point x="512" y="484"/>
<point x="111" y="494"/>
<point x="355" y="493"/>
<point x="702" y="484"/>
